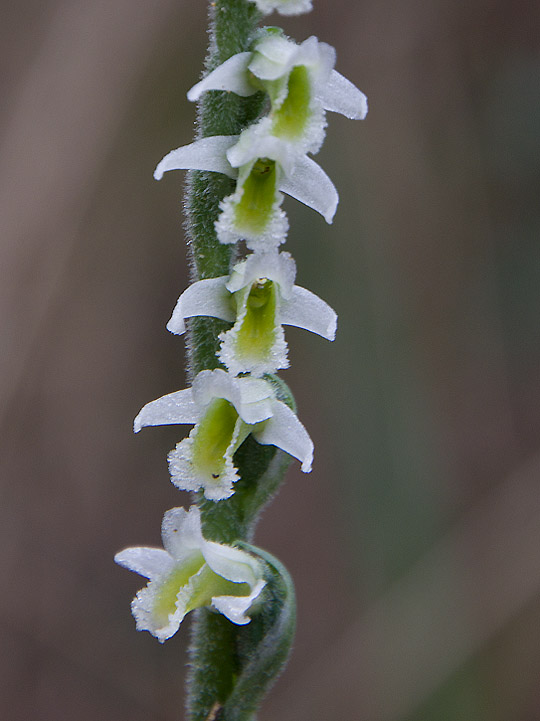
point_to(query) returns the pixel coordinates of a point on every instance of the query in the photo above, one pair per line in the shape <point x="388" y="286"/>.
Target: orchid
<point x="259" y="297"/>
<point x="253" y="144"/>
<point x="300" y="81"/>
<point x="264" y="169"/>
<point x="190" y="572"/>
<point x="224" y="410"/>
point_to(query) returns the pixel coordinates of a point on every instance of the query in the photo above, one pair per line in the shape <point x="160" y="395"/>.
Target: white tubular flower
<point x="264" y="168"/>
<point x="284" y="7"/>
<point x="253" y="212"/>
<point x="188" y="573"/>
<point x="260" y="297"/>
<point x="225" y="410"/>
<point x="301" y="82"/>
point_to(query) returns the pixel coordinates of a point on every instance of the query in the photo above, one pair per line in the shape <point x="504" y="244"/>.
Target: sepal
<point x="232" y="75"/>
<point x="203" y="154"/>
<point x="204" y="297"/>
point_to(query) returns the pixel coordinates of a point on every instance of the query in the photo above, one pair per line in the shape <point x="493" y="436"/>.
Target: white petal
<point x="208" y="385"/>
<point x="279" y="267"/>
<point x="208" y="297"/>
<point x="257" y="141"/>
<point x="285" y="431"/>
<point x="178" y="407"/>
<point x="306" y="310"/>
<point x="232" y="563"/>
<point x="236" y="607"/>
<point x="254" y="390"/>
<point x="273" y="57"/>
<point x="203" y="154"/>
<point x="284" y="7"/>
<point x="240" y="275"/>
<point x="340" y="96"/>
<point x="181" y="533"/>
<point x="319" y="57"/>
<point x="230" y="75"/>
<point x="309" y="184"/>
<point x="257" y="400"/>
<point x="149" y="562"/>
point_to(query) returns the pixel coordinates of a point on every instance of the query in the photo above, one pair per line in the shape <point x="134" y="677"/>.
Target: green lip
<point x="256" y="335"/>
<point x="291" y="118"/>
<point x="254" y="209"/>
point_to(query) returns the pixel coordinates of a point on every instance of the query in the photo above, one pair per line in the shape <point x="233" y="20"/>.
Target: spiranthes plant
<point x="262" y="105"/>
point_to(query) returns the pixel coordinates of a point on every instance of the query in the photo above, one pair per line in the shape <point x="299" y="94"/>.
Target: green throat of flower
<point x="165" y="602"/>
<point x="254" y="209"/>
<point x="291" y="118"/>
<point x="206" y="585"/>
<point x="199" y="585"/>
<point x="217" y="436"/>
<point x="256" y="334"/>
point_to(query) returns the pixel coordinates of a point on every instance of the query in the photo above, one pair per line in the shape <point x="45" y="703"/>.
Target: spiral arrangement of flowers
<point x="262" y="113"/>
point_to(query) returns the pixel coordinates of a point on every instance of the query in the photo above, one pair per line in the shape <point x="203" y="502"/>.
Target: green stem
<point x="254" y="654"/>
<point x="232" y="27"/>
<point x="224" y="681"/>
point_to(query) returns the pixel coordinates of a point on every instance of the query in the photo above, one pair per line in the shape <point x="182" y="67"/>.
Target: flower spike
<point x="224" y="410"/>
<point x="260" y="297"/>
<point x="264" y="156"/>
<point x="190" y="572"/>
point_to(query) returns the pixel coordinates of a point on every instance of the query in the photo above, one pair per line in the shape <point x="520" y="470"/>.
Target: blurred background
<point x="415" y="542"/>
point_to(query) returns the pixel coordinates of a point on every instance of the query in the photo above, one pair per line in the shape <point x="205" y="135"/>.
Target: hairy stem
<point x="232" y="27"/>
<point x="223" y="673"/>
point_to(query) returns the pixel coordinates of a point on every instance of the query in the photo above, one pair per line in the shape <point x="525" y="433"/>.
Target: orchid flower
<point x="264" y="168"/>
<point x="259" y="297"/>
<point x="190" y="572"/>
<point x="300" y="81"/>
<point x="225" y="410"/>
<point x="284" y="7"/>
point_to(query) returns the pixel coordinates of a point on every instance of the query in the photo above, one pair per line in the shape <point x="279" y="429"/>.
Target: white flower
<point x="188" y="573"/>
<point x="225" y="410"/>
<point x="284" y="7"/>
<point x="263" y="166"/>
<point x="253" y="212"/>
<point x="259" y="297"/>
<point x="300" y="81"/>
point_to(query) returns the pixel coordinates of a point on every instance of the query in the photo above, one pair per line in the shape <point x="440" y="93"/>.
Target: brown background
<point x="415" y="542"/>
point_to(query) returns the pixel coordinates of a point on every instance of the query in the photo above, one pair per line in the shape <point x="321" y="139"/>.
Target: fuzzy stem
<point x="232" y="27"/>
<point x="233" y="690"/>
<point x="222" y="669"/>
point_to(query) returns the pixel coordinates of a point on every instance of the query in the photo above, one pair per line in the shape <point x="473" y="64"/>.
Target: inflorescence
<point x="257" y="298"/>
